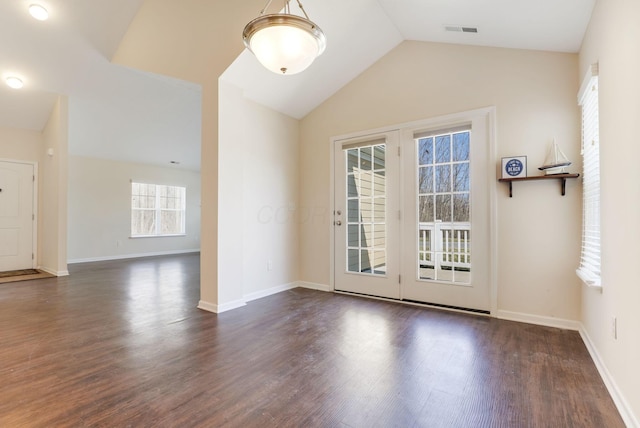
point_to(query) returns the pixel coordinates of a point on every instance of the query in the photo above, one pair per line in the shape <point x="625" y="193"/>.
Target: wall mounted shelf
<point x="560" y="177"/>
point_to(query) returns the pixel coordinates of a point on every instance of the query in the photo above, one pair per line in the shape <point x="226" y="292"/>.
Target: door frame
<point x="34" y="223"/>
<point x="490" y="113"/>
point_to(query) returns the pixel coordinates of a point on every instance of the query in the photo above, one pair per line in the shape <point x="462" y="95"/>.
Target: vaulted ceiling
<point x="121" y="113"/>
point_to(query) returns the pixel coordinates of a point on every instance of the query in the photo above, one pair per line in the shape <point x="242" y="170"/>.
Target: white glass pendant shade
<point x="284" y="50"/>
<point x="284" y="44"/>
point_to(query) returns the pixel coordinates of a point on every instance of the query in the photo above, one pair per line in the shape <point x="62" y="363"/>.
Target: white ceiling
<point x="548" y="25"/>
<point x="57" y="56"/>
<point x="114" y="112"/>
<point x="351" y="49"/>
<point x="120" y="113"/>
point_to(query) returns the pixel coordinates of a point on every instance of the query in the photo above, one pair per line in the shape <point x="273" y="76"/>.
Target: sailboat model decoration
<point x="556" y="161"/>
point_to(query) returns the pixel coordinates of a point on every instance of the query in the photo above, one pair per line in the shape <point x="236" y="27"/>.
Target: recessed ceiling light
<point x="14" y="82"/>
<point x="38" y="12"/>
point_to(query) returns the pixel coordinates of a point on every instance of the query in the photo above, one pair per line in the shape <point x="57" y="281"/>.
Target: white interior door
<point x="16" y="216"/>
<point x="366" y="223"/>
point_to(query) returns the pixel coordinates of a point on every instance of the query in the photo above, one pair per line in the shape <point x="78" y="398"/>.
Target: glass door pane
<point x="443" y="201"/>
<point x="366" y="203"/>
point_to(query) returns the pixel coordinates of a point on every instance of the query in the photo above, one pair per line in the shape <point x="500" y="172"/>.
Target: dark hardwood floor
<point x="121" y="344"/>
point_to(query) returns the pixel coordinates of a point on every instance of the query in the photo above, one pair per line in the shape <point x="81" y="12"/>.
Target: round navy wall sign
<point x="514" y="167"/>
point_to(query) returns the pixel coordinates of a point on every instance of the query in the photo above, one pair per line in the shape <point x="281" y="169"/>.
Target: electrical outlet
<point x="614" y="327"/>
<point x="269" y="265"/>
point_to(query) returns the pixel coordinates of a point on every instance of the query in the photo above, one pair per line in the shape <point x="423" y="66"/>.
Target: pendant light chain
<point x="302" y="9"/>
<point x="264" y="9"/>
<point x="287" y="8"/>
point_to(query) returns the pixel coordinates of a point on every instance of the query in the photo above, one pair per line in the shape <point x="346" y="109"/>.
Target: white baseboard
<point x="218" y="309"/>
<point x="314" y="286"/>
<point x="212" y="307"/>
<point x="621" y="403"/>
<point x="53" y="271"/>
<point x="269" y="291"/>
<point x="131" y="256"/>
<point x="538" y="320"/>
<point x="206" y="306"/>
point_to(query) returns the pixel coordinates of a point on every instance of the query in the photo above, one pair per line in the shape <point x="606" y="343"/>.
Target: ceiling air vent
<point x="460" y="29"/>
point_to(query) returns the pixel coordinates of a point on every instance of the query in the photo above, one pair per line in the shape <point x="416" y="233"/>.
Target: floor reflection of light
<point x="365" y="340"/>
<point x="155" y="302"/>
<point x="407" y="360"/>
<point x="367" y="352"/>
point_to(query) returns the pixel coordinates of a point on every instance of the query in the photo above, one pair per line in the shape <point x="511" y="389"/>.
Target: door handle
<point x="338" y="223"/>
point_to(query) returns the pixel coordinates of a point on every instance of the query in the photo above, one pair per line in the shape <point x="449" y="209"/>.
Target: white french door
<point x="412" y="217"/>
<point x="16" y="216"/>
<point x="366" y="226"/>
<point x="447" y="174"/>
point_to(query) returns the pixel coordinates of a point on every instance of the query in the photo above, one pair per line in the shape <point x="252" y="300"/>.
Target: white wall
<point x="258" y="194"/>
<point x="230" y="180"/>
<point x="100" y="209"/>
<point x="535" y="98"/>
<point x="612" y="40"/>
<point x="52" y="211"/>
<point x="270" y="199"/>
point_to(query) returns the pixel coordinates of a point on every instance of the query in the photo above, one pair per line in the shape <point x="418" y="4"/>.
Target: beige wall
<point x="100" y="209"/>
<point x="270" y="199"/>
<point x="257" y="187"/>
<point x="53" y="207"/>
<point x="231" y="188"/>
<point x="612" y="40"/>
<point x="535" y="98"/>
<point x="18" y="144"/>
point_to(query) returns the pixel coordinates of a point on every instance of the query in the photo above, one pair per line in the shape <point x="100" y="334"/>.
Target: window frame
<point x="589" y="268"/>
<point x="157" y="210"/>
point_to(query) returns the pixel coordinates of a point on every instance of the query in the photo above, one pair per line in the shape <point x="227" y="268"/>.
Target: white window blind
<point x="157" y="210"/>
<point x="589" y="269"/>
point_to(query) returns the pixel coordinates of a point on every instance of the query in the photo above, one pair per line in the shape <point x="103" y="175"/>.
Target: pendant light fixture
<point x="282" y="42"/>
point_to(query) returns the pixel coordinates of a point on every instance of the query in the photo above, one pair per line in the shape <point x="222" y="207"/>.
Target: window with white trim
<point x="157" y="210"/>
<point x="589" y="269"/>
